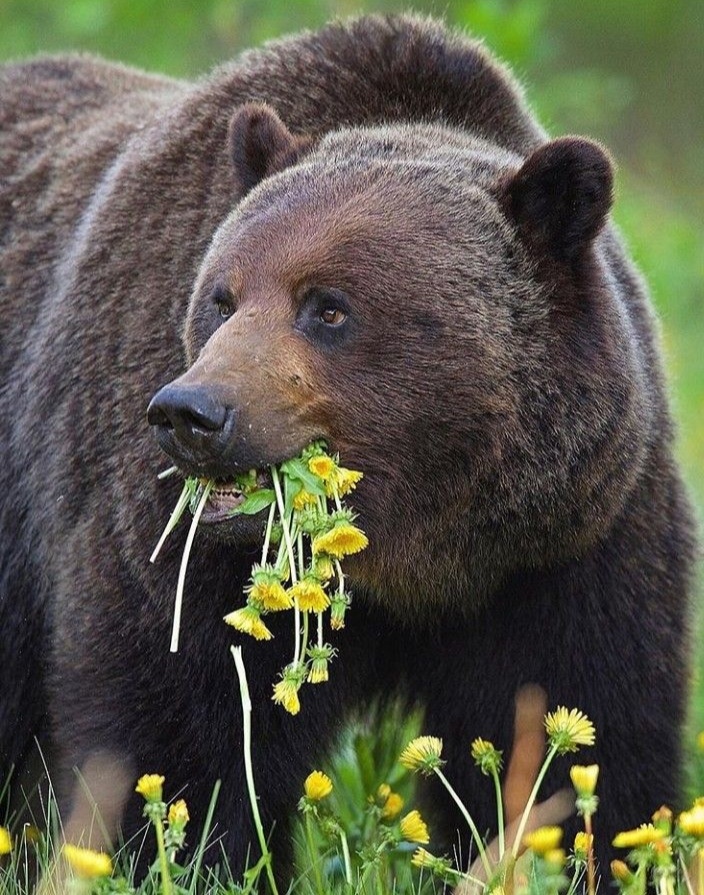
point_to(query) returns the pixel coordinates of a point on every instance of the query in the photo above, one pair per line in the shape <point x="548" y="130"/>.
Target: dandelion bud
<point x="486" y="756"/>
<point x="582" y="844"/>
<point x="662" y="819"/>
<point x="317" y="786"/>
<point x="320" y="657"/>
<point x="621" y="872"/>
<point x="439" y="866"/>
<point x="339" y="604"/>
<point x="178" y="814"/>
<point x="584" y="779"/>
<point x="86" y="863"/>
<point x="5" y="841"/>
<point x="393" y="806"/>
<point x="150" y="787"/>
<point x="383" y="792"/>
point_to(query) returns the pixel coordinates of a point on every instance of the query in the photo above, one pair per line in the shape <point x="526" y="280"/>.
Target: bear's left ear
<point x="561" y="196"/>
<point x="260" y="144"/>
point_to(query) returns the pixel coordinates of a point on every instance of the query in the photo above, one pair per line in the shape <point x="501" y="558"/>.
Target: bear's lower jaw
<point x="223" y="500"/>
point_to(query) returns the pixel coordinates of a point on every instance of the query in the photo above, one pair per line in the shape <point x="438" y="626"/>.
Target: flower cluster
<point x="308" y="532"/>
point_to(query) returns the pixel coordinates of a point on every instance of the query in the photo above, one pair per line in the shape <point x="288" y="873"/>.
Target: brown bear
<point x="389" y="254"/>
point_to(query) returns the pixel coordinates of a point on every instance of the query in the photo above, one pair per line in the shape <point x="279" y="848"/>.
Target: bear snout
<point x="191" y="421"/>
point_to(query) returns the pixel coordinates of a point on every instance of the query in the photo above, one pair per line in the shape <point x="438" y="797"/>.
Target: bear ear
<point x="260" y="144"/>
<point x="561" y="196"/>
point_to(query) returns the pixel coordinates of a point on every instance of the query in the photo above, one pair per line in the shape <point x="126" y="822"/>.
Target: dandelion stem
<point x="249" y="773"/>
<point x="500" y="812"/>
<point x="591" y="876"/>
<point x="320" y="630"/>
<point x="166" y="887"/>
<point x="470" y="822"/>
<point x="346" y="856"/>
<point x="174" y="519"/>
<point x="314" y="857"/>
<point x="165" y="473"/>
<point x="207" y="488"/>
<point x="267" y="536"/>
<point x="531" y="800"/>
<point x="284" y="522"/>
<point x="700" y="870"/>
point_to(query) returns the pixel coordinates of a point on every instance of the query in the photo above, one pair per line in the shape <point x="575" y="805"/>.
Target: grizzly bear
<point x="389" y="254"/>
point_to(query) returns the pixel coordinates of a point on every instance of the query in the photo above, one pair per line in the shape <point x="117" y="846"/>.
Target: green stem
<point x="174" y="519"/>
<point x="320" y="630"/>
<point x="284" y="522"/>
<point x="470" y="822"/>
<point x="267" y="536"/>
<point x="184" y="565"/>
<point x="499" y="811"/>
<point x="700" y="870"/>
<point x="314" y="857"/>
<point x="346" y="856"/>
<point x="531" y="800"/>
<point x="166" y="886"/>
<point x="249" y="773"/>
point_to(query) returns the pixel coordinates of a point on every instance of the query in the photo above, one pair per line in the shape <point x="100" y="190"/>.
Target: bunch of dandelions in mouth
<point x="308" y="532"/>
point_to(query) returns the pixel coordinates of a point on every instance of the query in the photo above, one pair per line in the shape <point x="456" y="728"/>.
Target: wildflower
<point x="555" y="858"/>
<point x="645" y="834"/>
<point x="662" y="819"/>
<point x="543" y="840"/>
<point x="692" y="821"/>
<point x="150" y="787"/>
<point x="322" y="466"/>
<point x="414" y="829"/>
<point x="393" y="806"/>
<point x="383" y="792"/>
<point x="582" y="844"/>
<point x="422" y="754"/>
<point x="317" y="786"/>
<point x="286" y="694"/>
<point x="568" y="730"/>
<point x="304" y="499"/>
<point x="248" y="621"/>
<point x="584" y="779"/>
<point x="5" y="841"/>
<point x="342" y="481"/>
<point x="89" y="864"/>
<point x="322" y="568"/>
<point x="621" y="872"/>
<point x="343" y="539"/>
<point x="309" y="595"/>
<point x="320" y="656"/>
<point x="178" y="814"/>
<point x="440" y="866"/>
<point x="339" y="604"/>
<point x="486" y="756"/>
<point x="267" y="591"/>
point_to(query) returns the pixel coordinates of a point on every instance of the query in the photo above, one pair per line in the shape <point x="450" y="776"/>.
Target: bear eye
<point x="333" y="316"/>
<point x="224" y="302"/>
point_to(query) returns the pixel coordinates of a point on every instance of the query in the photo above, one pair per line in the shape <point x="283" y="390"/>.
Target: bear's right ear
<point x="260" y="144"/>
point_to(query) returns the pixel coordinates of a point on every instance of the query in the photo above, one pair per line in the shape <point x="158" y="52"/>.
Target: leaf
<point x="296" y="469"/>
<point x="254" y="503"/>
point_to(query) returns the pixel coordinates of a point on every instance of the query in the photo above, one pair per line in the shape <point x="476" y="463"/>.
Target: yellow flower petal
<point x="309" y="595"/>
<point x="584" y="778"/>
<point x="178" y="813"/>
<point x="692" y="821"/>
<point x="248" y="621"/>
<point x="150" y="786"/>
<point x="414" y="829"/>
<point x="342" y="540"/>
<point x="392" y="806"/>
<point x="5" y="841"/>
<point x="543" y="840"/>
<point x="286" y="694"/>
<point x="86" y="863"/>
<point x="646" y="834"/>
<point x="422" y="754"/>
<point x="271" y="595"/>
<point x="322" y="466"/>
<point x="317" y="786"/>
<point x="568" y="729"/>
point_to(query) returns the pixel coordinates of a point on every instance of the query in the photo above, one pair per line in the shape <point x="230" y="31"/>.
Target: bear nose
<point x="192" y="411"/>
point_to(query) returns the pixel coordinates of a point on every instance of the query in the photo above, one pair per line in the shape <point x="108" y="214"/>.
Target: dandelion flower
<point x="86" y="863"/>
<point x="317" y="786"/>
<point x="339" y="604"/>
<point x="441" y="866"/>
<point x="150" y="787"/>
<point x="414" y="829"/>
<point x="486" y="756"/>
<point x="423" y="858"/>
<point x="543" y="840"/>
<point x="568" y="729"/>
<point x="178" y="814"/>
<point x="309" y="595"/>
<point x="5" y="841"/>
<point x="322" y="466"/>
<point x="323" y="568"/>
<point x="692" y="821"/>
<point x="582" y="843"/>
<point x="621" y="871"/>
<point x="343" y="539"/>
<point x="248" y="621"/>
<point x="304" y="499"/>
<point x="393" y="805"/>
<point x="422" y="754"/>
<point x="646" y="834"/>
<point x="267" y="591"/>
<point x="383" y="792"/>
<point x="320" y="656"/>
<point x="286" y="694"/>
<point x="342" y="481"/>
<point x="555" y="857"/>
<point x="584" y="779"/>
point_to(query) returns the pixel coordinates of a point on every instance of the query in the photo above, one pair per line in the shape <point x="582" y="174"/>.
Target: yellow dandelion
<point x="646" y="834"/>
<point x="5" y="841"/>
<point x="486" y="756"/>
<point x="86" y="863"/>
<point x="303" y="499"/>
<point x="422" y="754"/>
<point x="322" y="466"/>
<point x="286" y="694"/>
<point x="582" y="843"/>
<point x="393" y="805"/>
<point x="248" y="621"/>
<point x="555" y="857"/>
<point x="692" y="822"/>
<point x="178" y="814"/>
<point x="323" y="568"/>
<point x="343" y="539"/>
<point x="584" y="779"/>
<point x="318" y="673"/>
<point x="414" y="829"/>
<point x="317" y="786"/>
<point x="150" y="787"/>
<point x="309" y="595"/>
<point x="271" y="595"/>
<point x="342" y="481"/>
<point x="543" y="840"/>
<point x="568" y="729"/>
<point x="621" y="871"/>
<point x="423" y="858"/>
<point x="383" y="792"/>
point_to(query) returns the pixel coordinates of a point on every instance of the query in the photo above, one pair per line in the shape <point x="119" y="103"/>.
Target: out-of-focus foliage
<point x="629" y="73"/>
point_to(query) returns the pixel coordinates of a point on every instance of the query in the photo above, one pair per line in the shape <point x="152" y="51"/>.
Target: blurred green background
<point x="628" y="72"/>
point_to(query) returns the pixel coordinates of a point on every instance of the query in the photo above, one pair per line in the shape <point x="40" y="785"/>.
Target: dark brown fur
<point x="501" y="392"/>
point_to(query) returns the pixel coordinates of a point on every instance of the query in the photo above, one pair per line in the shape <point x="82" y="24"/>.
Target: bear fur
<point x="497" y="379"/>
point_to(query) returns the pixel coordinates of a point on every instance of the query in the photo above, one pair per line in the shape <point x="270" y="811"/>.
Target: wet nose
<point x="194" y="412"/>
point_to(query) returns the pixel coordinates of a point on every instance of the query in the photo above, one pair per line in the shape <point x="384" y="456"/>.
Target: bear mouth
<point x="225" y="498"/>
